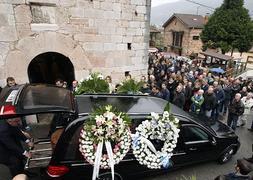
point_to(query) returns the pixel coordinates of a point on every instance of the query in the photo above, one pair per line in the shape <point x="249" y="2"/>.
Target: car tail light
<point x="57" y="171"/>
<point x="7" y="110"/>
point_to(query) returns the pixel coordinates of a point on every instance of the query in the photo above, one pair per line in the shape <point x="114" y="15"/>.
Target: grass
<point x="192" y="177"/>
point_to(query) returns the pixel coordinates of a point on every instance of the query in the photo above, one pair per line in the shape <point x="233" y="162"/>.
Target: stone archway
<point x="26" y="49"/>
<point x="50" y="66"/>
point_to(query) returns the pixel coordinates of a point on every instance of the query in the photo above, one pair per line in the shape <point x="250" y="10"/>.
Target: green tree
<point x="230" y="27"/>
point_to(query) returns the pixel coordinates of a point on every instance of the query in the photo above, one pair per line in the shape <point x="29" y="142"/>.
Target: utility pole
<point x="198" y="10"/>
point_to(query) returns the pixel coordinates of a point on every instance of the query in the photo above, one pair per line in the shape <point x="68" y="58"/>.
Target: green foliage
<point x="94" y="84"/>
<point x="230" y="27"/>
<point x="102" y="109"/>
<point x="167" y="107"/>
<point x="193" y="177"/>
<point x="130" y="87"/>
<point x="230" y="4"/>
<point x="209" y="44"/>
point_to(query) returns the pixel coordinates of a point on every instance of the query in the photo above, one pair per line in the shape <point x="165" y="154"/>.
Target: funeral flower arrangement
<point x="130" y="87"/>
<point x="94" y="83"/>
<point x="164" y="129"/>
<point x="106" y="127"/>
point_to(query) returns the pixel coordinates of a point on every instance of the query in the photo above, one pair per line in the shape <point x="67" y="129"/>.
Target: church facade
<point x="45" y="40"/>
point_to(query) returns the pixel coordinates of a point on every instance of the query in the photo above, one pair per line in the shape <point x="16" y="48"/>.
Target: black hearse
<point x="200" y="140"/>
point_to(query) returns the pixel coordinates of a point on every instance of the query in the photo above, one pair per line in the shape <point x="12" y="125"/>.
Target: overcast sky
<point x="163" y="9"/>
<point x="161" y="2"/>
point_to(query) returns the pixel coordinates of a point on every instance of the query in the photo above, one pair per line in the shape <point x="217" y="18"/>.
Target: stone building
<point x="182" y="33"/>
<point x="155" y="35"/>
<point x="42" y="40"/>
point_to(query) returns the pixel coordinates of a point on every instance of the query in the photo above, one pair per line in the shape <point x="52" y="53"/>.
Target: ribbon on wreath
<point x="165" y="160"/>
<point x="137" y="138"/>
<point x="110" y="156"/>
<point x="98" y="156"/>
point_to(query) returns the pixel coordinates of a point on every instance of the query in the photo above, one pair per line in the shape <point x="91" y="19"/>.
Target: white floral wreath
<point x="163" y="128"/>
<point x="105" y="127"/>
<point x="88" y="149"/>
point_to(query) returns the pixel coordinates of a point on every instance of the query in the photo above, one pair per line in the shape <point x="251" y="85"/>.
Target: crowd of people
<point x="192" y="87"/>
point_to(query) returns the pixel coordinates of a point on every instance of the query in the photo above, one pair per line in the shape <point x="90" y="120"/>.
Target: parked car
<point x="200" y="140"/>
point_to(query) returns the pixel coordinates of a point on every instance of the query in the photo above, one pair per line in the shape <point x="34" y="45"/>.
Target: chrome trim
<point x="79" y="164"/>
<point x="84" y="164"/>
<point x="43" y="143"/>
<point x="128" y="160"/>
<point x="39" y="159"/>
<point x="41" y="150"/>
<point x="2" y="110"/>
<point x="195" y="142"/>
<point x="179" y="154"/>
<point x="20" y="89"/>
<point x="139" y="114"/>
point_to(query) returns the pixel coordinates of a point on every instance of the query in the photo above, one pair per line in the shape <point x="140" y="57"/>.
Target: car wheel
<point x="226" y="156"/>
<point x="108" y="176"/>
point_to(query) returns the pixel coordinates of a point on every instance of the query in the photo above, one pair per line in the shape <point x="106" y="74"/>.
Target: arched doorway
<point x="50" y="66"/>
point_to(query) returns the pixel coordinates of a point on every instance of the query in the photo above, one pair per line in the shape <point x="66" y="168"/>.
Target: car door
<point x="28" y="102"/>
<point x="199" y="144"/>
<point x="35" y="98"/>
<point x="179" y="153"/>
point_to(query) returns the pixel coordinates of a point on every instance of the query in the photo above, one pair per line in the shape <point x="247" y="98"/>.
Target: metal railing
<point x="42" y="157"/>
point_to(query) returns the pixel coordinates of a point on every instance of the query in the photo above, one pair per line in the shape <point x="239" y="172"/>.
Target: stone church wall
<point x="109" y="36"/>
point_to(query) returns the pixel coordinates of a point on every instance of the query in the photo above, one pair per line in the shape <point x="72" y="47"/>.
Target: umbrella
<point x="217" y="70"/>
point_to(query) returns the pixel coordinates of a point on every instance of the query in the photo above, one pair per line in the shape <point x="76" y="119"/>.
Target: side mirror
<point x="213" y="141"/>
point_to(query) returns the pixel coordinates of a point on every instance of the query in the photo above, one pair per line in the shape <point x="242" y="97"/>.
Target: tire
<point x="108" y="176"/>
<point x="226" y="156"/>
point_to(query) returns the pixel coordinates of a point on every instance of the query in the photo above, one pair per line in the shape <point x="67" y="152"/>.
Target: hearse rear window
<point x="46" y="96"/>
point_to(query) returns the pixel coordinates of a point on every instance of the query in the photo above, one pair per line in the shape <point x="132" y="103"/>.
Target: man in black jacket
<point x="209" y="101"/>
<point x="179" y="98"/>
<point x="228" y="92"/>
<point x="220" y="97"/>
<point x="156" y="92"/>
<point x="10" y="82"/>
<point x="12" y="154"/>
<point x="235" y="109"/>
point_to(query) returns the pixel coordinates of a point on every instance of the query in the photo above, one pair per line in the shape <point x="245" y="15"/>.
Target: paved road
<point x="204" y="171"/>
